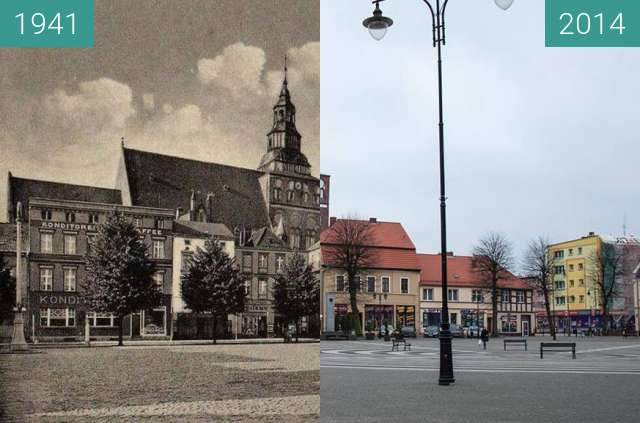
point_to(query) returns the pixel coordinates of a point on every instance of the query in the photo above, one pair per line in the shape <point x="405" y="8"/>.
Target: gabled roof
<point x="460" y="272"/>
<point x="383" y="234"/>
<point x="157" y="180"/>
<point x="390" y="245"/>
<point x="202" y="229"/>
<point x="22" y="190"/>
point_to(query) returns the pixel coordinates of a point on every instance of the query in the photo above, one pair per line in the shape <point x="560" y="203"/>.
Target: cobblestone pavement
<point x="492" y="385"/>
<point x="224" y="383"/>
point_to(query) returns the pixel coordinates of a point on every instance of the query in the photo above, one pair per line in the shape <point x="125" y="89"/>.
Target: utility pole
<point x="18" y="343"/>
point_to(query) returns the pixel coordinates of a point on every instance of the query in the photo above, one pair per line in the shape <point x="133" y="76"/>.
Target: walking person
<point x="484" y="337"/>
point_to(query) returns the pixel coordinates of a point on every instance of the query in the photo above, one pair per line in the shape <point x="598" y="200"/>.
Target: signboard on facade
<point x="69" y="226"/>
<point x="60" y="300"/>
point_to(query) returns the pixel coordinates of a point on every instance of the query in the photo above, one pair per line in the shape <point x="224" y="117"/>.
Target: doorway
<point x="525" y="328"/>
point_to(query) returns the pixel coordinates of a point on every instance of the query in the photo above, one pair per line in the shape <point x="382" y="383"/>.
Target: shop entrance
<point x="135" y="325"/>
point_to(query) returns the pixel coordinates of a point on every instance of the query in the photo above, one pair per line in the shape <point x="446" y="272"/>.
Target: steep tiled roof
<point x="202" y="229"/>
<point x="383" y="234"/>
<point x="23" y="189"/>
<point x="460" y="272"/>
<point x="390" y="245"/>
<point x="157" y="180"/>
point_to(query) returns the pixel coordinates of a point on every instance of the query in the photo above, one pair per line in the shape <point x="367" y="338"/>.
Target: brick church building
<point x="270" y="211"/>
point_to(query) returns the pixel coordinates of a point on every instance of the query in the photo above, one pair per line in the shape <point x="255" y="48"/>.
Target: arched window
<point x="294" y="239"/>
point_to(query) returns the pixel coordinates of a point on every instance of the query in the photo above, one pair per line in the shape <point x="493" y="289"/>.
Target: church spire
<point x="284" y="134"/>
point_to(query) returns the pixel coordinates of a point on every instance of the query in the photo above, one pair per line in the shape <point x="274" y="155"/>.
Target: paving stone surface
<point x="225" y="383"/>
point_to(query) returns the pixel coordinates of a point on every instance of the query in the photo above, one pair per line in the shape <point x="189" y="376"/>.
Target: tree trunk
<point x="215" y="327"/>
<point x="494" y="308"/>
<point x="120" y="322"/>
<point x="547" y="306"/>
<point x="355" y="314"/>
<point x="297" y="329"/>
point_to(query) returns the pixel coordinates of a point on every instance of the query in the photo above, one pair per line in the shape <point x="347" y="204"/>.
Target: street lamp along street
<point x="377" y="26"/>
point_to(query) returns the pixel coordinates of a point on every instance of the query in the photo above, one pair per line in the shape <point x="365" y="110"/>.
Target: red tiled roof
<point x="460" y="272"/>
<point x="383" y="258"/>
<point x="383" y="234"/>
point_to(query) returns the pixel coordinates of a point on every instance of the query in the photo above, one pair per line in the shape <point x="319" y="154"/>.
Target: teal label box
<point x="592" y="23"/>
<point x="47" y="23"/>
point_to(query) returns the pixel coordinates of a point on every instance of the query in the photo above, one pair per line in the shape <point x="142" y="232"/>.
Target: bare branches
<point x="538" y="266"/>
<point x="349" y="246"/>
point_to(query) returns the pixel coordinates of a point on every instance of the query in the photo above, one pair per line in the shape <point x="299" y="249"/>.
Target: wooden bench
<point x="563" y="346"/>
<point x="395" y="344"/>
<point x="515" y="341"/>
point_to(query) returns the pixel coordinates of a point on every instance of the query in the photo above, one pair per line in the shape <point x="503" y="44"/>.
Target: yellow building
<point x="575" y="301"/>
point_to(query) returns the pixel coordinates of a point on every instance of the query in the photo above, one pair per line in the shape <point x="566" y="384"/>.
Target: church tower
<point x="291" y="193"/>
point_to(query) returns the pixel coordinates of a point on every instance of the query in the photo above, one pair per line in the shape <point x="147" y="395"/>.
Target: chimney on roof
<point x="450" y="253"/>
<point x="373" y="220"/>
<point x="592" y="233"/>
<point x="332" y="221"/>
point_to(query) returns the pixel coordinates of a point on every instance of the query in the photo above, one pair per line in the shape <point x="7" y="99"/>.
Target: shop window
<point x="154" y="322"/>
<point x="46" y="242"/>
<point x="57" y="317"/>
<point x="70" y="244"/>
<point x="101" y="320"/>
<point x="405" y="316"/>
<point x="46" y="279"/>
<point x="70" y="276"/>
<point x="453" y="319"/>
<point x="158" y="249"/>
<point x="404" y="285"/>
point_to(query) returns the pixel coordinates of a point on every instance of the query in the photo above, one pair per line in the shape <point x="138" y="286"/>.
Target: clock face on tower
<point x="298" y="185"/>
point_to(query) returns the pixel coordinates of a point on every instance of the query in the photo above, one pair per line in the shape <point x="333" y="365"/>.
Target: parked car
<point x="473" y="331"/>
<point x="431" y="331"/>
<point x="456" y="331"/>
<point x="408" y="331"/>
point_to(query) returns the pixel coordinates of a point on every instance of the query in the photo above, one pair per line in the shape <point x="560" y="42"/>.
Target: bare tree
<point x="348" y="246"/>
<point x="538" y="266"/>
<point x="607" y="271"/>
<point x="492" y="258"/>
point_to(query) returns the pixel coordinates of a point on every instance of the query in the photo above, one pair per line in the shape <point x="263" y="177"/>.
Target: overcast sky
<point x="539" y="141"/>
<point x="196" y="79"/>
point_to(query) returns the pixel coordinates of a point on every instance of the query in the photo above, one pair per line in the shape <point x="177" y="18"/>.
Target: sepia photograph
<point x="159" y="201"/>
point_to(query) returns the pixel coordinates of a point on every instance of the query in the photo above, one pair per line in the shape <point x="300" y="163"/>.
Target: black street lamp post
<point x="377" y="26"/>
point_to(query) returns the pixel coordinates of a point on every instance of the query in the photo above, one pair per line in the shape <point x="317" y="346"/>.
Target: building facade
<point x="576" y="300"/>
<point x="60" y="232"/>
<point x="469" y="297"/>
<point x="388" y="286"/>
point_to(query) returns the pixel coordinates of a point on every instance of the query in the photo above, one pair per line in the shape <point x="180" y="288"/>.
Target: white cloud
<point x="148" y="102"/>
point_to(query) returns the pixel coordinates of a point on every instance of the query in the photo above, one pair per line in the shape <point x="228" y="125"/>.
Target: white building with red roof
<point x="469" y="296"/>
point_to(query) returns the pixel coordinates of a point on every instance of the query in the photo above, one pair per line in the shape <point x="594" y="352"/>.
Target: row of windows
<point x="476" y="295"/>
<point x="291" y="196"/>
<point x="70" y="277"/>
<point x="571" y="299"/>
<point x="66" y="317"/>
<point x="560" y="284"/>
<point x="70" y="245"/>
<point x="263" y="288"/>
<point x="263" y="262"/>
<point x="560" y="253"/>
<point x="372" y="284"/>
